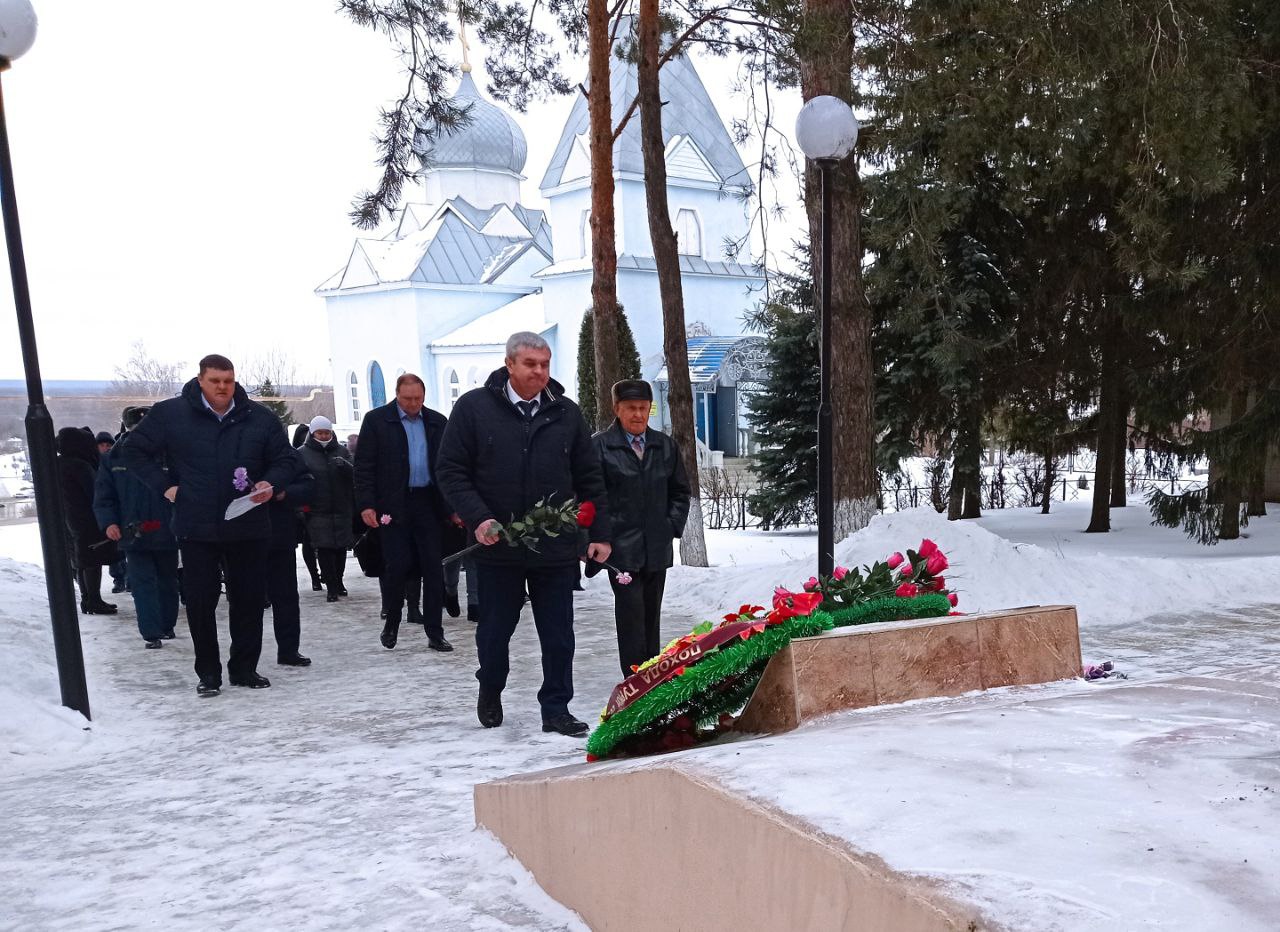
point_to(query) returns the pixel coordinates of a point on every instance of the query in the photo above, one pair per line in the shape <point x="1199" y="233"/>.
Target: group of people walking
<point x="187" y="476"/>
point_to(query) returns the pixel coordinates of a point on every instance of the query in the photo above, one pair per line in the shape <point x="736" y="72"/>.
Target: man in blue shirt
<point x="396" y="493"/>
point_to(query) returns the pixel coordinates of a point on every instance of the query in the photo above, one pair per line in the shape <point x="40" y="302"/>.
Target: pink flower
<point x="927" y="548"/>
<point x="936" y="563"/>
<point x="840" y="573"/>
<point x="385" y="520"/>
<point x="895" y="560"/>
<point x="907" y="590"/>
<point x="811" y="584"/>
<point x="240" y="478"/>
<point x="939" y="583"/>
<point x="780" y="596"/>
<point x="624" y="579"/>
<point x="951" y="597"/>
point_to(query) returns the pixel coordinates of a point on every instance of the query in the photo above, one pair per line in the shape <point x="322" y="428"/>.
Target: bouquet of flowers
<point x="131" y="532"/>
<point x="543" y="520"/>
<point x="917" y="573"/>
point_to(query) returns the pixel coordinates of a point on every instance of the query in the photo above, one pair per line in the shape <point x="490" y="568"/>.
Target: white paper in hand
<point x="241" y="505"/>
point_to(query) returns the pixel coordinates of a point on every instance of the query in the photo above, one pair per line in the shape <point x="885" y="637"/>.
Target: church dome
<point x="489" y="139"/>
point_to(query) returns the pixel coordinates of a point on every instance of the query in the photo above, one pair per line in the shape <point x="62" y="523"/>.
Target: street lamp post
<point x="826" y="131"/>
<point x="17" y="33"/>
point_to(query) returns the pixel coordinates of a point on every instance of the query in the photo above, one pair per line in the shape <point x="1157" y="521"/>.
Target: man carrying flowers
<point x="219" y="446"/>
<point x="510" y="445"/>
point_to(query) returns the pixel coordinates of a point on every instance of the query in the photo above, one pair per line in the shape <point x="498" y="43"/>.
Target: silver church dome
<point x="489" y="138"/>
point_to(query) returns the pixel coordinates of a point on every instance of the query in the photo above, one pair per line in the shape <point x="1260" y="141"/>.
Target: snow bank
<point x="31" y="716"/>
<point x="1128" y="574"/>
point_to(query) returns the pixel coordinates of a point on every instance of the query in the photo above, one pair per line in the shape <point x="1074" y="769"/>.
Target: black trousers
<point x="551" y="594"/>
<point x="637" y="611"/>
<point x="333" y="564"/>
<point x="202" y="567"/>
<point x="309" y="558"/>
<point x="282" y="593"/>
<point x="412" y="545"/>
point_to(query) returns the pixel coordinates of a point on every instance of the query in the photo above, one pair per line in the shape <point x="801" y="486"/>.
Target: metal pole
<point x="40" y="448"/>
<point x="826" y="468"/>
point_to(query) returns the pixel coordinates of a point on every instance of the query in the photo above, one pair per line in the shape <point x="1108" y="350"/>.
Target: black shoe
<point x="439" y="644"/>
<point x="565" y="724"/>
<point x="118" y="588"/>
<point x="390" y="631"/>
<point x="451" y="604"/>
<point x="169" y="635"/>
<point x="297" y="660"/>
<point x="98" y="608"/>
<point x="415" y="618"/>
<point x="316" y="586"/>
<point x="342" y="590"/>
<point x="154" y="644"/>
<point x="252" y="680"/>
<point x="489" y="710"/>
<point x="473" y="613"/>
<point x="331" y="597"/>
<point x="208" y="688"/>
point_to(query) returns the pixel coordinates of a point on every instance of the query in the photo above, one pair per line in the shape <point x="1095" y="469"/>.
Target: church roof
<point x="488" y="138"/>
<point x="689" y="265"/>
<point x="689" y="113"/>
<point x="458" y="245"/>
<point x="492" y="329"/>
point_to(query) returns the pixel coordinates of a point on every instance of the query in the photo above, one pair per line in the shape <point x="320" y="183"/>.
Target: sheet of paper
<point x="241" y="505"/>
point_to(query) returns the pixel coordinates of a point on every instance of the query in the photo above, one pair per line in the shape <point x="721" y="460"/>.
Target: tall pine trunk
<point x="966" y="474"/>
<point x="604" y="253"/>
<point x="1119" y="482"/>
<point x="826" y="66"/>
<point x="1047" y="500"/>
<point x="1231" y="485"/>
<point x="1108" y="414"/>
<point x="666" y="258"/>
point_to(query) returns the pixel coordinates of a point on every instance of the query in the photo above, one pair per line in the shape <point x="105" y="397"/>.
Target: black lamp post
<point x="17" y="33"/>
<point x="826" y="131"/>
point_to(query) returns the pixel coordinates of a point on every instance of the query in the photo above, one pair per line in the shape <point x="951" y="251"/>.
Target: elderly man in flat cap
<point x="648" y="501"/>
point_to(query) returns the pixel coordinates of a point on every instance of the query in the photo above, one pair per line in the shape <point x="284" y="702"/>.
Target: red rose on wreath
<point x="586" y="514"/>
<point x="907" y="590"/>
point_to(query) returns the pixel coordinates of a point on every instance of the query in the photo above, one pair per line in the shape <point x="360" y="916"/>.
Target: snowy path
<point x="338" y="799"/>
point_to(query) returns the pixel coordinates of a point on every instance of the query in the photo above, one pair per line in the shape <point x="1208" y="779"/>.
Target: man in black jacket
<point x="648" y="504"/>
<point x="508" y="445"/>
<point x="397" y="493"/>
<point x="218" y="446"/>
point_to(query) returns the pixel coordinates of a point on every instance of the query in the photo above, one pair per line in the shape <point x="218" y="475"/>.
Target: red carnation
<point x="927" y="548"/>
<point x="951" y="597"/>
<point x="907" y="590"/>
<point x="586" y="514"/>
<point x="895" y="560"/>
<point x="148" y="526"/>
<point x="936" y="563"/>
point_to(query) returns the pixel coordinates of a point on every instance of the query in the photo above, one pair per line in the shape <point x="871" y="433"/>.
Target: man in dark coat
<point x="220" y="446"/>
<point x="509" y="444"/>
<point x="648" y="505"/>
<point x="140" y="519"/>
<point x="119" y="570"/>
<point x="397" y="493"/>
<point x="282" y="564"/>
<point x="90" y="549"/>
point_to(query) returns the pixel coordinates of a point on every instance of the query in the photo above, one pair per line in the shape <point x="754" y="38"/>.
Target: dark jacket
<point x="77" y="473"/>
<point x="203" y="454"/>
<point x="382" y="461"/>
<point x="496" y="464"/>
<point x="298" y="494"/>
<point x="648" y="499"/>
<point x="120" y="498"/>
<point x="333" y="504"/>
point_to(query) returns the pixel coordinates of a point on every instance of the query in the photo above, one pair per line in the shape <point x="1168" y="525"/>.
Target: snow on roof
<point x="690" y="113"/>
<point x="689" y="265"/>
<point x="449" y="249"/>
<point x="492" y="329"/>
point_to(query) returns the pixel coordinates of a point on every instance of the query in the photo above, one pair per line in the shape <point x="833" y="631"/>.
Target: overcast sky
<point x="184" y="173"/>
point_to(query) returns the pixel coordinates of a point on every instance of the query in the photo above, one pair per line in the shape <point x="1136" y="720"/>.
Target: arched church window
<point x="689" y="233"/>
<point x="353" y="390"/>
<point x="453" y="386"/>
<point x="584" y="234"/>
<point x="377" y="386"/>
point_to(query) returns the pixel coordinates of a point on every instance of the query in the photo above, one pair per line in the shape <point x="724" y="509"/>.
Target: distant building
<point x="458" y="272"/>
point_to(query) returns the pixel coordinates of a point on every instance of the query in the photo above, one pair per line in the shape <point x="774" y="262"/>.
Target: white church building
<point x="467" y="265"/>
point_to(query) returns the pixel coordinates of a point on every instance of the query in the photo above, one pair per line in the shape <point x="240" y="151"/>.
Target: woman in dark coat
<point x="332" y="505"/>
<point x="89" y="548"/>
<point x="300" y="434"/>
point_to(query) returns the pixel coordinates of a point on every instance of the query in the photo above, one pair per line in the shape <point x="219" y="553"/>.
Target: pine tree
<point x="589" y="399"/>
<point x="268" y="398"/>
<point x="785" y="414"/>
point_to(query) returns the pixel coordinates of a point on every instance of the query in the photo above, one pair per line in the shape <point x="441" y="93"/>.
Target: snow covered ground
<point x="341" y="797"/>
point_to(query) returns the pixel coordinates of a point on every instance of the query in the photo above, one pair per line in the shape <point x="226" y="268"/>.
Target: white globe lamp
<point x="826" y="129"/>
<point x="17" y="29"/>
